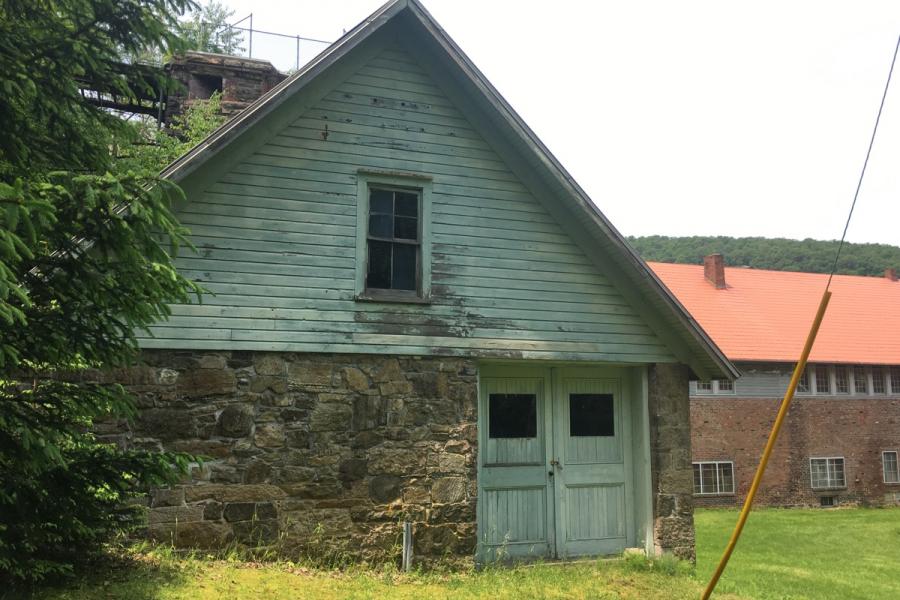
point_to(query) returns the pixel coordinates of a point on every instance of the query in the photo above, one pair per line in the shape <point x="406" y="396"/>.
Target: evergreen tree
<point x="86" y="250"/>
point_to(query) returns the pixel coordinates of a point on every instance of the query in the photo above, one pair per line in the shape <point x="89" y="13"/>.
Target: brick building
<point x="841" y="439"/>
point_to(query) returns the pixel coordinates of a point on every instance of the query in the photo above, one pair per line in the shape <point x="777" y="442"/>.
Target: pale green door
<point x="553" y="459"/>
<point x="515" y="502"/>
<point x="591" y="460"/>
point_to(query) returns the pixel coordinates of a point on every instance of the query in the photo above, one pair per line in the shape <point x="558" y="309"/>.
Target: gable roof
<point x="765" y="315"/>
<point x="605" y="246"/>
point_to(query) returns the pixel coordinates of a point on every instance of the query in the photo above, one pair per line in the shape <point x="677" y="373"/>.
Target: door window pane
<point x="591" y="415"/>
<point x="512" y="416"/>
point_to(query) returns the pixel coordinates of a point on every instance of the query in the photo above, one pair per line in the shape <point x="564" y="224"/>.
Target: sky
<point x="682" y="118"/>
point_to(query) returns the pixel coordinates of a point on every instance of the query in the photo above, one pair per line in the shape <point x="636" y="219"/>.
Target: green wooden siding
<point x="276" y="238"/>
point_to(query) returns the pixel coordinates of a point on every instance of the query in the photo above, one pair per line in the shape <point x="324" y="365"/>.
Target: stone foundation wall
<point x="326" y="450"/>
<point x="670" y="458"/>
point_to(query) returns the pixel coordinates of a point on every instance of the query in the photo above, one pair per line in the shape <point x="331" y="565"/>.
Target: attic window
<point x="393" y="239"/>
<point x="393" y="246"/>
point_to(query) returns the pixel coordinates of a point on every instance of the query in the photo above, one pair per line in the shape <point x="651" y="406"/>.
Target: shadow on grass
<point x="120" y="574"/>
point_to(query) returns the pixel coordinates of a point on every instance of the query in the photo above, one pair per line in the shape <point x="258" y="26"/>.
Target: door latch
<point x="555" y="463"/>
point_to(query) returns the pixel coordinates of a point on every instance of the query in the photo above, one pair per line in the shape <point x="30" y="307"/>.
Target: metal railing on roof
<point x="285" y="52"/>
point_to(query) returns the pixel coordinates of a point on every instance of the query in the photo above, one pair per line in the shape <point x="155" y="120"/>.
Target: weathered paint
<point x="276" y="234"/>
<point x="557" y="494"/>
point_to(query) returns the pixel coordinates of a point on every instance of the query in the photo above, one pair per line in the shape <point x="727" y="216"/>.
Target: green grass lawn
<point x="788" y="554"/>
<point x="163" y="577"/>
<point x="841" y="554"/>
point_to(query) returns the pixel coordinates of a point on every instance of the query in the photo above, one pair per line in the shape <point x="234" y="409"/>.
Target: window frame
<point x="415" y="182"/>
<point x="828" y="475"/>
<point x="827" y="371"/>
<point x="714" y="388"/>
<point x="715" y="463"/>
<point x="896" y="467"/>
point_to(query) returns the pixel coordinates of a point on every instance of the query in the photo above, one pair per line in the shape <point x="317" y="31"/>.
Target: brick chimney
<point x="890" y="274"/>
<point x="714" y="270"/>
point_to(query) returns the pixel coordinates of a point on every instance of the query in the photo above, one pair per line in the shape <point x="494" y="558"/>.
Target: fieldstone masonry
<point x="335" y="451"/>
<point x="670" y="457"/>
<point x="301" y="447"/>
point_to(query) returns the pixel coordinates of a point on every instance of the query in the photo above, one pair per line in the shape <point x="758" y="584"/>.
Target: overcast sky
<point x="684" y="118"/>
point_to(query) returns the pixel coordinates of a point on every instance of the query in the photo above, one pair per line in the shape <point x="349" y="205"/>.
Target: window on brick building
<point x="860" y="381"/>
<point x="878" y="386"/>
<point x="895" y="380"/>
<point x="890" y="467"/>
<point x="822" y="381"/>
<point x="716" y="386"/>
<point x="803" y="383"/>
<point x="827" y="473"/>
<point x="714" y="478"/>
<point x="841" y="380"/>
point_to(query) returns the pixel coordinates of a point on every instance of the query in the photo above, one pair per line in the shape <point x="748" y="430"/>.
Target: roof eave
<point x="544" y="155"/>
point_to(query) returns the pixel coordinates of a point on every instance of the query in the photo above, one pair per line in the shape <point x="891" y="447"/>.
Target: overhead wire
<point x="801" y="364"/>
<point x="865" y="163"/>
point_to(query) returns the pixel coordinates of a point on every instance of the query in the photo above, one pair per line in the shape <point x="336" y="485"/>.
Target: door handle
<point x="555" y="463"/>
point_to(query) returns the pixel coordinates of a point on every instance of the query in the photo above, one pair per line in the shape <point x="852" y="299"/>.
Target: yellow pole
<point x="773" y="436"/>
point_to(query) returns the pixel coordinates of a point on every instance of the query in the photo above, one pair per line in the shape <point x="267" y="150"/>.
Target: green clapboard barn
<point x="416" y="315"/>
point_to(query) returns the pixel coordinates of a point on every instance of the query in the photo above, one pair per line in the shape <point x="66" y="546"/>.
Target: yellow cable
<point x="773" y="436"/>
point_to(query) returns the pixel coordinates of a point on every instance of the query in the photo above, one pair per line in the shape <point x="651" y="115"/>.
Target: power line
<point x="862" y="173"/>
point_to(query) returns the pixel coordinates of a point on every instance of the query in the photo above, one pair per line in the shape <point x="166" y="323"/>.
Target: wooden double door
<point x="554" y="459"/>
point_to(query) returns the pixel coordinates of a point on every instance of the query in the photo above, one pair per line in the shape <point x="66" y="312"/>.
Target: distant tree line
<point x="779" y="254"/>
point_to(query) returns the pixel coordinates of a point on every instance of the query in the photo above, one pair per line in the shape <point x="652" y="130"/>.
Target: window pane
<point x="860" y="381"/>
<point x="818" y="472"/>
<point x="591" y="415"/>
<point x="380" y="226"/>
<point x="878" y="381"/>
<point x="726" y="478"/>
<point x="726" y="385"/>
<point x="842" y="380"/>
<point x="512" y="416"/>
<point x="895" y="381"/>
<point x="379" y="273"/>
<point x="823" y="384"/>
<point x="708" y="478"/>
<point x="406" y="228"/>
<point x="836" y="472"/>
<point x="407" y="204"/>
<point x="381" y="201"/>
<point x="404" y="271"/>
<point x="803" y="383"/>
<point x="697" y="488"/>
<point x="889" y="460"/>
<point x="704" y="386"/>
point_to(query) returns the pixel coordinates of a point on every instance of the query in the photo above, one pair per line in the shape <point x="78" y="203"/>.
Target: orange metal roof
<point x="766" y="315"/>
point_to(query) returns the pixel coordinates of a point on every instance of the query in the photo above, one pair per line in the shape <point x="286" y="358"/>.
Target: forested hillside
<point x="778" y="254"/>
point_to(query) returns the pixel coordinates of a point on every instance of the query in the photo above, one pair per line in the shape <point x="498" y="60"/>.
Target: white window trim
<point x="419" y="182"/>
<point x="828" y="475"/>
<point x="896" y="463"/>
<point x="716" y="390"/>
<point x="716" y="463"/>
